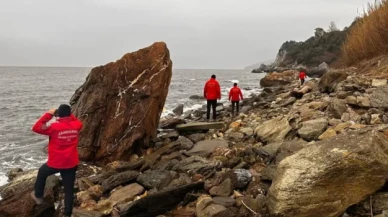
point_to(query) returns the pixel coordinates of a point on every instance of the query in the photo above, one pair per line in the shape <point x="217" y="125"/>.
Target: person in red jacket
<point x="235" y="95"/>
<point x="62" y="152"/>
<point x="302" y="76"/>
<point x="211" y="93"/>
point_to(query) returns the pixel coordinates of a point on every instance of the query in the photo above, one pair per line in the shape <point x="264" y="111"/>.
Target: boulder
<point x="120" y="104"/>
<point x="178" y="111"/>
<point x="321" y="177"/>
<point x="157" y="203"/>
<point x="311" y="130"/>
<point x="379" y="98"/>
<point x="199" y="126"/>
<point x="319" y="71"/>
<point x="206" y="147"/>
<point x="153" y="179"/>
<point x="337" y="107"/>
<point x="330" y="80"/>
<point x="274" y="130"/>
<point x="279" y="79"/>
<point x="16" y="198"/>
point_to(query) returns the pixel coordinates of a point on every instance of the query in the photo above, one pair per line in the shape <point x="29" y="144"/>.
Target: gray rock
<point x="153" y="179"/>
<point x="379" y="97"/>
<point x="197" y="165"/>
<point x="185" y="143"/>
<point x="273" y="130"/>
<point x="319" y="71"/>
<point x="337" y="107"/>
<point x="315" y="178"/>
<point x="235" y="136"/>
<point x="311" y="130"/>
<point x="330" y="80"/>
<point x="178" y="111"/>
<point x="243" y="178"/>
<point x="199" y="126"/>
<point x="197" y="137"/>
<point x="206" y="147"/>
<point x="225" y="189"/>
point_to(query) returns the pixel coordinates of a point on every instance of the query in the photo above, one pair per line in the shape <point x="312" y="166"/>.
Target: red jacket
<point x="63" y="141"/>
<point x="235" y="94"/>
<point x="302" y="75"/>
<point x="212" y="90"/>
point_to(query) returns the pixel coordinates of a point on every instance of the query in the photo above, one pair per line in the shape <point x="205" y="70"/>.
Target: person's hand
<point x="51" y="111"/>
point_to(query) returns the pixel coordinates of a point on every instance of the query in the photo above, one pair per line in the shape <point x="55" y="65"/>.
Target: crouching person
<point x="62" y="153"/>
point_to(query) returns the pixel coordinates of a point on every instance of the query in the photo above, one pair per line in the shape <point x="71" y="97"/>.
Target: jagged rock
<point x="300" y="191"/>
<point x="157" y="203"/>
<point x="337" y="107"/>
<point x="199" y="126"/>
<point x="120" y="103"/>
<point x="119" y="179"/>
<point x="279" y="79"/>
<point x="124" y="194"/>
<point x="122" y="166"/>
<point x="273" y="130"/>
<point x="197" y="165"/>
<point x="329" y="133"/>
<point x="330" y="80"/>
<point x="153" y="179"/>
<point x="197" y="137"/>
<point x="98" y="179"/>
<point x="311" y="130"/>
<point x="378" y="98"/>
<point x="225" y="189"/>
<point x="206" y="147"/>
<point x="16" y="199"/>
<point x="178" y="110"/>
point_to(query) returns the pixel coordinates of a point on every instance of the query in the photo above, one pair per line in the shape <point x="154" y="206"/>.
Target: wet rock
<point x="330" y="80"/>
<point x="329" y="133"/>
<point x="119" y="179"/>
<point x="311" y="130"/>
<point x="225" y="189"/>
<point x="206" y="147"/>
<point x="199" y="126"/>
<point x="197" y="137"/>
<point x="12" y="173"/>
<point x="178" y="111"/>
<point x="224" y="201"/>
<point x="120" y="103"/>
<point x="197" y="165"/>
<point x="273" y="130"/>
<point x="379" y="98"/>
<point x="152" y="179"/>
<point x="16" y="199"/>
<point x="166" y="200"/>
<point x="337" y="107"/>
<point x="299" y="191"/>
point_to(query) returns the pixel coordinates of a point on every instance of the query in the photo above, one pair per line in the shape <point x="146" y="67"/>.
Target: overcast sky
<point x="199" y="33"/>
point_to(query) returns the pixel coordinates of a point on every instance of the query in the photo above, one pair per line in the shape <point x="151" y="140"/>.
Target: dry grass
<point x="368" y="37"/>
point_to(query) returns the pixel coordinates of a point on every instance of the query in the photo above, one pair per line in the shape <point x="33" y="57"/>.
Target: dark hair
<point x="235" y="84"/>
<point x="213" y="76"/>
<point x="63" y="111"/>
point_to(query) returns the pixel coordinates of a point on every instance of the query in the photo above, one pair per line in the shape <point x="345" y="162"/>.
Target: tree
<point x="332" y="27"/>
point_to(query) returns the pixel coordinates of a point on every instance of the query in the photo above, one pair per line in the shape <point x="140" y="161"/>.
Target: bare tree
<point x="332" y="27"/>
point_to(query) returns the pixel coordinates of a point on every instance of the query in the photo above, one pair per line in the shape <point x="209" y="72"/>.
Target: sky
<point x="201" y="34"/>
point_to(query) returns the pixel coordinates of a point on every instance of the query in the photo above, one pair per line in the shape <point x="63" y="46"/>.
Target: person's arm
<point x="218" y="90"/>
<point x="41" y="125"/>
<point x="205" y="91"/>
<point x="230" y="94"/>
<point x="241" y="95"/>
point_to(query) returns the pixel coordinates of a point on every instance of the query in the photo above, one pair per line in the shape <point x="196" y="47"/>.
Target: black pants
<point x="211" y="104"/>
<point x="302" y="81"/>
<point x="68" y="178"/>
<point x="237" y="105"/>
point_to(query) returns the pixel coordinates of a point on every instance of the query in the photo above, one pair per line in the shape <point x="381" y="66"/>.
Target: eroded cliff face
<point x="120" y="103"/>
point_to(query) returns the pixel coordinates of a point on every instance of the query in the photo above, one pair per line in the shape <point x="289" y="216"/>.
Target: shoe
<point x="37" y="200"/>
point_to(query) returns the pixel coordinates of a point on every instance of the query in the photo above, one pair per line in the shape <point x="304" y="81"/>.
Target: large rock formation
<point x="325" y="178"/>
<point x="120" y="103"/>
<point x="279" y="79"/>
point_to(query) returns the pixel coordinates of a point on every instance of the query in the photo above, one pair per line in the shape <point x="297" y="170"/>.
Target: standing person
<point x="62" y="153"/>
<point x="212" y="92"/>
<point x="235" y="95"/>
<point x="302" y="76"/>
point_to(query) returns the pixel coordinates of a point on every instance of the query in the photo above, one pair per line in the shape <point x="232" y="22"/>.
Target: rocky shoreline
<point x="323" y="152"/>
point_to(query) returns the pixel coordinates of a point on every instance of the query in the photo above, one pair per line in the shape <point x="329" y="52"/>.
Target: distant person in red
<point x="302" y="76"/>
<point x="212" y="92"/>
<point x="235" y="95"/>
<point x="62" y="152"/>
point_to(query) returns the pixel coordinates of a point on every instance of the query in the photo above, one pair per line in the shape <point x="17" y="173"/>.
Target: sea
<point x="27" y="92"/>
